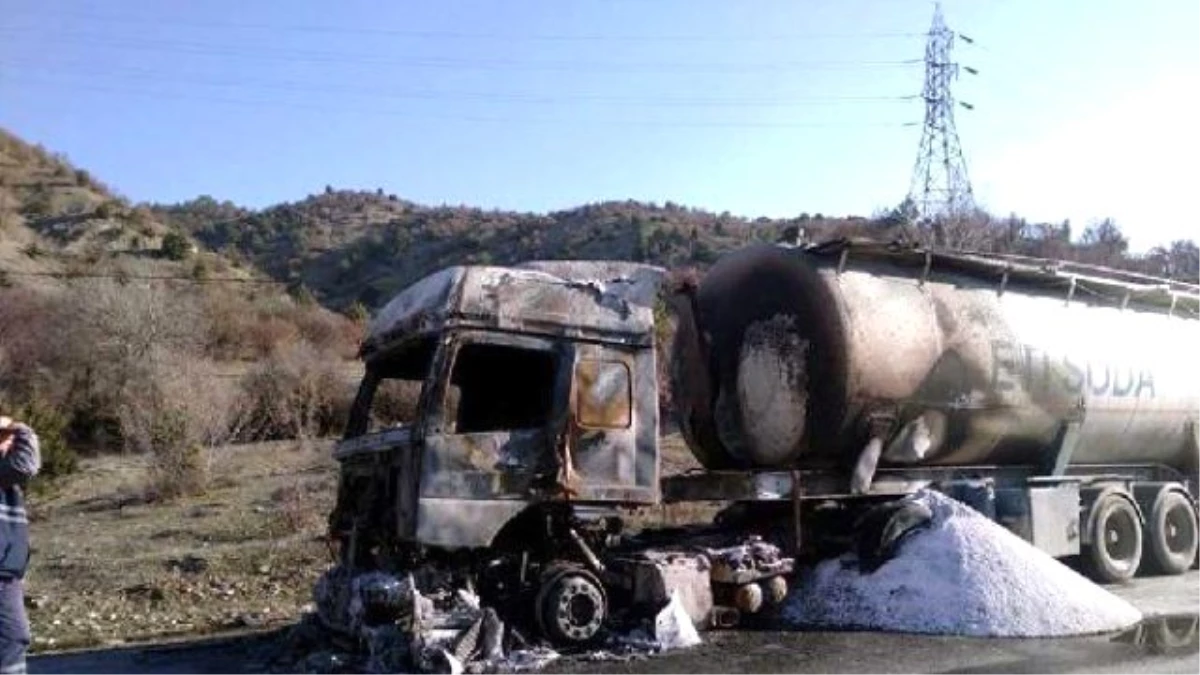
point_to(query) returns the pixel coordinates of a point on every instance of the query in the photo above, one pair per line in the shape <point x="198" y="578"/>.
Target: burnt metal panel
<point x="604" y="398"/>
<point x="602" y="456"/>
<point x="463" y="523"/>
<point x="1054" y="516"/>
<point x="518" y="300"/>
<point x="486" y="465"/>
<point x="646" y="422"/>
<point x="373" y="444"/>
<point x="406" y="472"/>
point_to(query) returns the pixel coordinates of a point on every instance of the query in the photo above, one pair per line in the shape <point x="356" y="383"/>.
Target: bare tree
<point x="176" y="412"/>
<point x="1180" y="260"/>
<point x="1103" y="243"/>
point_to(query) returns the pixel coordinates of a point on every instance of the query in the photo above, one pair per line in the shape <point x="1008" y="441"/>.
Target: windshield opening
<point x="391" y="389"/>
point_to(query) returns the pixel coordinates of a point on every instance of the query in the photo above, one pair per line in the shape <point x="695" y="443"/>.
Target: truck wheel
<point x="1116" y="549"/>
<point x="777" y="590"/>
<point x="570" y="608"/>
<point x="1173" y="536"/>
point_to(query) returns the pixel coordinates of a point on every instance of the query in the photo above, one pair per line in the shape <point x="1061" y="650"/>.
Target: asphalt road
<point x="1167" y="643"/>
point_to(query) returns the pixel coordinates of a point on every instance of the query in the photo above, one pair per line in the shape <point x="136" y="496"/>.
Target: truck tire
<point x="1116" y="549"/>
<point x="571" y="607"/>
<point x="1172" y="535"/>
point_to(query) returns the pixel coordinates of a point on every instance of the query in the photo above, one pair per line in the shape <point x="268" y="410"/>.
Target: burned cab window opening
<point x="497" y="387"/>
<point x="603" y="398"/>
<point x="394" y="404"/>
<point x="390" y="391"/>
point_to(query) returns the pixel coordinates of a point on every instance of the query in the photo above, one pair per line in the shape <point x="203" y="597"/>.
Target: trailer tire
<point x="1172" y="533"/>
<point x="1116" y="549"/>
<point x="571" y="606"/>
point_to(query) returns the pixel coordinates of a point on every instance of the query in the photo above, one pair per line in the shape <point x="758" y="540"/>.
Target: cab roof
<point x="592" y="300"/>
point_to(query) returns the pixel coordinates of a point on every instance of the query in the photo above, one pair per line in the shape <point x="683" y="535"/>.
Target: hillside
<point x="355" y="246"/>
<point x="58" y="221"/>
<point x="142" y="316"/>
<point x="347" y="246"/>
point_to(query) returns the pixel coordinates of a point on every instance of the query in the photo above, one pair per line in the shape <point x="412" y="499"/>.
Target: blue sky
<point x="1083" y="110"/>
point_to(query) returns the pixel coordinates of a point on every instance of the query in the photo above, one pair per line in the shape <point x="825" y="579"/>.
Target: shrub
<point x="326" y="330"/>
<point x="175" y="246"/>
<point x="358" y="313"/>
<point x="178" y="468"/>
<point x="267" y="333"/>
<point x="58" y="459"/>
<point x="297" y="392"/>
<point x="112" y="344"/>
<point x="200" y="270"/>
<point x="174" y="414"/>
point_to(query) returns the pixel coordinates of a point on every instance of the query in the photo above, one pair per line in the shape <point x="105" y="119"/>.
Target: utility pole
<point x="940" y="189"/>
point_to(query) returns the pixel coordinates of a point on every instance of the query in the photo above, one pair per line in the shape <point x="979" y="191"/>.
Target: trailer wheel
<point x="1173" y="535"/>
<point x="570" y="608"/>
<point x="1116" y="548"/>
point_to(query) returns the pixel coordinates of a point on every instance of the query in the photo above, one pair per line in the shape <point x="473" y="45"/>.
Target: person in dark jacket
<point x="20" y="460"/>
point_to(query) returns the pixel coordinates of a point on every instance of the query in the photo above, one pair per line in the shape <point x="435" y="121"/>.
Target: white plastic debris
<point x="456" y="666"/>
<point x="468" y="598"/>
<point x="673" y="627"/>
<point x="526" y="660"/>
<point x="964" y="575"/>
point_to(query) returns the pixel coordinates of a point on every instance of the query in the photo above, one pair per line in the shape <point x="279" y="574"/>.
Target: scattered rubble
<point x="376" y="622"/>
<point x="962" y="575"/>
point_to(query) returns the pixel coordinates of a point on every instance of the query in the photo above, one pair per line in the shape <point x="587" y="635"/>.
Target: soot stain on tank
<point x="773" y="386"/>
<point x="779" y="335"/>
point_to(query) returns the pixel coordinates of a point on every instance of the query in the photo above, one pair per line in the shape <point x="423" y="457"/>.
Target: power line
<point x="140" y="277"/>
<point x="464" y="35"/>
<point x="410" y="114"/>
<point x="147" y="75"/>
<point x="293" y="55"/>
<point x="940" y="186"/>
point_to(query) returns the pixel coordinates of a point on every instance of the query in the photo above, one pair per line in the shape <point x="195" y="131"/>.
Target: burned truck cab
<point x="503" y="411"/>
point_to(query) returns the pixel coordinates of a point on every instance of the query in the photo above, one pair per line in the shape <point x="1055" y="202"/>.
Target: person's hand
<point x="5" y="422"/>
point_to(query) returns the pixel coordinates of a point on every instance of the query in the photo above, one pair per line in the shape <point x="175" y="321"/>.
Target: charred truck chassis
<point x="537" y="419"/>
<point x="533" y="424"/>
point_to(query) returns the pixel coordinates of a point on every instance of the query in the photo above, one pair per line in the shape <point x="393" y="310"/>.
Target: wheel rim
<point x="1121" y="538"/>
<point x="1179" y="530"/>
<point x="579" y="609"/>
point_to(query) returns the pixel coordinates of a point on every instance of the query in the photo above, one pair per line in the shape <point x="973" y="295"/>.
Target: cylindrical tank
<point x="790" y="357"/>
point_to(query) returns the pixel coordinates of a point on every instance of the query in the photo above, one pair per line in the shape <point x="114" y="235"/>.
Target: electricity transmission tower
<point x="940" y="188"/>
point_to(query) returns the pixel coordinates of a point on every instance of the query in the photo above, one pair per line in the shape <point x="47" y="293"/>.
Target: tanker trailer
<point x="1065" y="388"/>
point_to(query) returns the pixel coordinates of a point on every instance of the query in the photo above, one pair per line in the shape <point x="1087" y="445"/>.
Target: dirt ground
<point x="108" y="567"/>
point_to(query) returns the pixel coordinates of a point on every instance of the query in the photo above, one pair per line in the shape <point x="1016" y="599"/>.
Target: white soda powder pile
<point x="963" y="575"/>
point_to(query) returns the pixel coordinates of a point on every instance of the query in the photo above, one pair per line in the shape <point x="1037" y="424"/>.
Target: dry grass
<point x="110" y="567"/>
